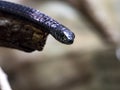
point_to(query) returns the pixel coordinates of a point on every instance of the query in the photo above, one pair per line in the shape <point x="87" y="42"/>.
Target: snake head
<point x="63" y="34"/>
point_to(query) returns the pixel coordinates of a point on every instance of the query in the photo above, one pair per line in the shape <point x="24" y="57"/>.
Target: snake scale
<point x="18" y="17"/>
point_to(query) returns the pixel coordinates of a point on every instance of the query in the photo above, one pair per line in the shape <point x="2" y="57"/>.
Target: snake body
<point x="57" y="30"/>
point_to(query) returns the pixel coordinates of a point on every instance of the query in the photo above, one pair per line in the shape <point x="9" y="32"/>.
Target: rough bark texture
<point x="18" y="33"/>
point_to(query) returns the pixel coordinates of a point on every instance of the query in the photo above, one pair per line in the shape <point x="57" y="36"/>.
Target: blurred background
<point x="92" y="62"/>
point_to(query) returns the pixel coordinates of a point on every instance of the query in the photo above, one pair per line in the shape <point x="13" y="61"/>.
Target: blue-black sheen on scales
<point x="57" y="30"/>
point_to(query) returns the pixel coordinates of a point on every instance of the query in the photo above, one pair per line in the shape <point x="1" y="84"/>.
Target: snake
<point x="56" y="29"/>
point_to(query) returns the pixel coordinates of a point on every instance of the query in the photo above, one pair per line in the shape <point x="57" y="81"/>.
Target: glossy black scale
<point x="38" y="26"/>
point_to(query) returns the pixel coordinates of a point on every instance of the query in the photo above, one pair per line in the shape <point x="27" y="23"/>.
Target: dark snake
<point x="57" y="30"/>
<point x="26" y="29"/>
